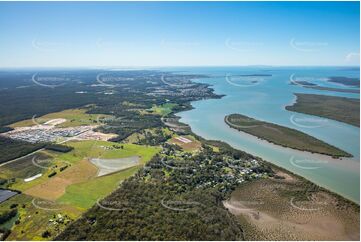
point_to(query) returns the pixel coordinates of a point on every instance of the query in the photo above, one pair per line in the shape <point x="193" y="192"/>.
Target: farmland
<point x="68" y="184"/>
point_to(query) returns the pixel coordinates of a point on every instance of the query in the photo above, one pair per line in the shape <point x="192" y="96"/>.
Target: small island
<point x="345" y="81"/>
<point x="341" y="109"/>
<point x="283" y="136"/>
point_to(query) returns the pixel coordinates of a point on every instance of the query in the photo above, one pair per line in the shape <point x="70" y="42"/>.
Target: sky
<point x="109" y="34"/>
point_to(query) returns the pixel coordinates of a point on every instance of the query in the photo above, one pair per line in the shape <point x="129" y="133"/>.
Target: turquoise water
<point x="264" y="98"/>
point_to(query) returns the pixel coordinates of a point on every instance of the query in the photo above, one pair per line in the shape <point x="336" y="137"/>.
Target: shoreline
<point x="268" y="161"/>
<point x="354" y="163"/>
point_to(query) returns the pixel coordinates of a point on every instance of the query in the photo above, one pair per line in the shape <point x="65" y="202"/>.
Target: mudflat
<point x="292" y="208"/>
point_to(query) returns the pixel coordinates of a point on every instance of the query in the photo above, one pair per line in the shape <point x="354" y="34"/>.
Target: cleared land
<point x="292" y="209"/>
<point x="341" y="109"/>
<point x="107" y="150"/>
<point x="283" y="136"/>
<point x="70" y="191"/>
<point x="73" y="117"/>
<point x="188" y="143"/>
<point x="81" y="169"/>
<point x="53" y="188"/>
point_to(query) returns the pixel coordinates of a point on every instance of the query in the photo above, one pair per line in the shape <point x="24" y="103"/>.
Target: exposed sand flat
<point x="270" y="210"/>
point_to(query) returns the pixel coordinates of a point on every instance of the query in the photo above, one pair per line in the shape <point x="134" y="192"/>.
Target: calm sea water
<point x="265" y="98"/>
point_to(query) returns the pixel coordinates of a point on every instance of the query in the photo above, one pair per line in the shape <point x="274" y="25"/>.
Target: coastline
<point x="327" y="158"/>
<point x="353" y="164"/>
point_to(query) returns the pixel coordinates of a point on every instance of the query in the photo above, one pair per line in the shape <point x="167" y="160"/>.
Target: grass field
<point x="23" y="168"/>
<point x="107" y="150"/>
<point x="54" y="187"/>
<point x="164" y="109"/>
<point x="84" y="195"/>
<point x="74" y="117"/>
<point x="72" y="190"/>
<point x="34" y="221"/>
<point x="283" y="136"/>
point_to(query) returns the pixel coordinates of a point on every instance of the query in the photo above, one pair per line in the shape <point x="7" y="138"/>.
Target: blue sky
<point x="88" y="34"/>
